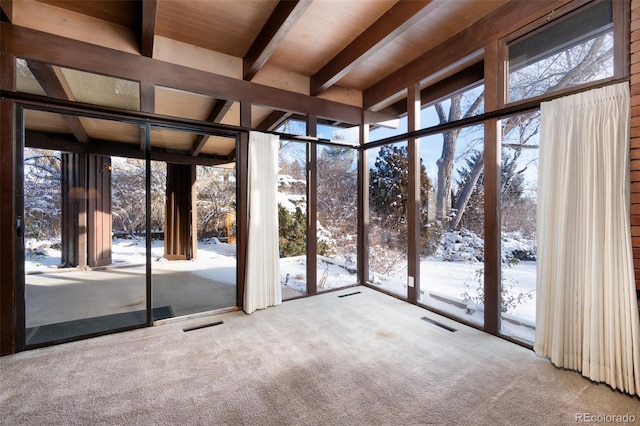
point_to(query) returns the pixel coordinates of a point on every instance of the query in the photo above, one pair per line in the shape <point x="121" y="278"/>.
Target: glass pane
<point x="337" y="216"/>
<point x="465" y="103"/>
<point x="80" y="86"/>
<point x="78" y="279"/>
<point x="292" y="218"/>
<point x="452" y="218"/>
<point x="387" y="129"/>
<point x="291" y="126"/>
<point x="388" y="179"/>
<point x="519" y="193"/>
<point x="348" y="135"/>
<point x="566" y="53"/>
<point x="193" y="229"/>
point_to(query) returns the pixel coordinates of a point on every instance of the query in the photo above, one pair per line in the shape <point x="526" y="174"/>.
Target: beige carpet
<point x="365" y="359"/>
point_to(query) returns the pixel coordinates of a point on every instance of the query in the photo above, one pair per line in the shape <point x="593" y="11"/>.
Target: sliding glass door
<point x="78" y="279"/>
<point x="193" y="221"/>
<point x="113" y="240"/>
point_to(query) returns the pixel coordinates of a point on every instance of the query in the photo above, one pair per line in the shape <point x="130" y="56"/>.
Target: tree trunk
<point x="445" y="169"/>
<point x="465" y="194"/>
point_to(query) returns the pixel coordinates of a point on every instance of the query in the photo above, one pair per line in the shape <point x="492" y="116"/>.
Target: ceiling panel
<point x="40" y="121"/>
<point x="446" y="20"/>
<point x="121" y="12"/>
<point x="108" y="130"/>
<point x="326" y="28"/>
<point x="217" y="145"/>
<point x="178" y="103"/>
<point x="226" y="26"/>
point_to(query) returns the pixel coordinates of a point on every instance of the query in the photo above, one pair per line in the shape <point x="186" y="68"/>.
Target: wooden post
<point x="99" y="210"/>
<point x="178" y="243"/>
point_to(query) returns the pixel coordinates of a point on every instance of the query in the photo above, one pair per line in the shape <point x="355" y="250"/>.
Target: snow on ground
<point x="446" y="285"/>
<point x="331" y="273"/>
<point x="215" y="260"/>
<point x="449" y="286"/>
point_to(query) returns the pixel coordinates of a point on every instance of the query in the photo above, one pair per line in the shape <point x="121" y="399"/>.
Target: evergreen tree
<point x="292" y="233"/>
<point x="388" y="191"/>
<point x="292" y="230"/>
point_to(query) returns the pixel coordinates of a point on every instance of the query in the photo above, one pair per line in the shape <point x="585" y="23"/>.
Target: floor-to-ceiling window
<point x="388" y="193"/>
<point x="292" y="217"/>
<point x="337" y="211"/>
<point x="452" y="223"/>
<point x="518" y="230"/>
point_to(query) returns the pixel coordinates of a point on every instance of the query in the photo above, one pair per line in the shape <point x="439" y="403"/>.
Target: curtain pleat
<point x="587" y="311"/>
<point x="262" y="283"/>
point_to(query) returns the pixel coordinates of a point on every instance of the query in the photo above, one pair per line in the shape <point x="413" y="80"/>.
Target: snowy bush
<point x="516" y="248"/>
<point x="461" y="246"/>
<point x="465" y="246"/>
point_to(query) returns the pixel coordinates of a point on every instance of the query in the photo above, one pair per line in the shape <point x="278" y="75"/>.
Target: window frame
<point x="620" y="11"/>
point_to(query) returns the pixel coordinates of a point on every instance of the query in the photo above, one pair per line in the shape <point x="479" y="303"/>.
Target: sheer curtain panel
<point x="262" y="285"/>
<point x="587" y="313"/>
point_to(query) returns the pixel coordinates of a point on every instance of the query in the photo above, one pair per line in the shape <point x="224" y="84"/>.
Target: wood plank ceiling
<point x="333" y="49"/>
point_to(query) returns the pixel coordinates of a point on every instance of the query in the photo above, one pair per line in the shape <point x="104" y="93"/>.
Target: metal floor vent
<point x="198" y="327"/>
<point x="439" y="324"/>
<point x="349" y="294"/>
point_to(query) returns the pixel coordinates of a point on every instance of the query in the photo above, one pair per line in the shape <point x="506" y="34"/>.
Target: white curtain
<point x="262" y="284"/>
<point x="587" y="313"/>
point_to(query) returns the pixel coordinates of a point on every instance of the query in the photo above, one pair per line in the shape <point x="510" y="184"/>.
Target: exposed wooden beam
<point x="31" y="44"/>
<point x="54" y="86"/>
<point x="273" y="120"/>
<point x="400" y="17"/>
<point x="499" y="23"/>
<point x="6" y="10"/>
<point x="149" y="8"/>
<point x="283" y="18"/>
<point x="62" y="142"/>
<point x="217" y="113"/>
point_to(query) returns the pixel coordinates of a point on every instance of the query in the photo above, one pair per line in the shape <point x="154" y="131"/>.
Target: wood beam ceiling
<point x="399" y="18"/>
<point x="31" y="44"/>
<point x="219" y="110"/>
<point x="472" y="39"/>
<point x="283" y="18"/>
<point x="273" y="120"/>
<point x="149" y="8"/>
<point x="55" y="87"/>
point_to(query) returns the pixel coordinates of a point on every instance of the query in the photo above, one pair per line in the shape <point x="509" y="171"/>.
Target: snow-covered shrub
<point x="461" y="246"/>
<point x="516" y="248"/>
<point x="465" y="246"/>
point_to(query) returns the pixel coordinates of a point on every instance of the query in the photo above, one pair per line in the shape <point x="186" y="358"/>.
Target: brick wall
<point x="635" y="136"/>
